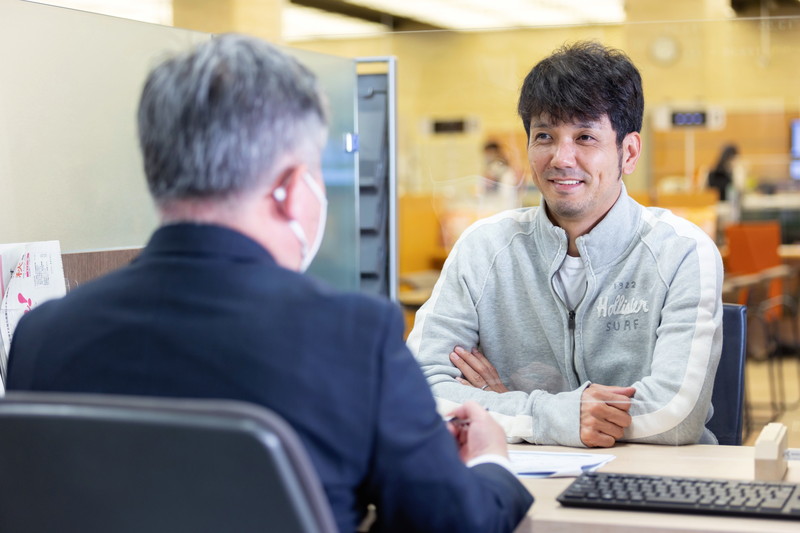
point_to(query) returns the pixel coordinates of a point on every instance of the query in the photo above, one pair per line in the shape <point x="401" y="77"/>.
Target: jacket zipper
<point x="571" y="327"/>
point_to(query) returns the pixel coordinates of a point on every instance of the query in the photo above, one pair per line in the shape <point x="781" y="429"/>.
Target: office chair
<point x="728" y="394"/>
<point x="96" y="463"/>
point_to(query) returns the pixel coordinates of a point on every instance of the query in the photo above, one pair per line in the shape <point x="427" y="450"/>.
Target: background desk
<point x="726" y="462"/>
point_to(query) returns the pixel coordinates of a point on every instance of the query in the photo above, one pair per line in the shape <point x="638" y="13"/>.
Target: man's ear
<point x="285" y="193"/>
<point x="631" y="150"/>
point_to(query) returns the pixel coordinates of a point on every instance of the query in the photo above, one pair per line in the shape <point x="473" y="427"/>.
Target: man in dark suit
<point x="216" y="306"/>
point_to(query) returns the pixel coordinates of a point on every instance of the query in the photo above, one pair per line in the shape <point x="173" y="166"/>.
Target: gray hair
<point x="218" y="120"/>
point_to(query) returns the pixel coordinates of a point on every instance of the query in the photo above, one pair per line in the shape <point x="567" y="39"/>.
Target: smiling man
<point x="590" y="319"/>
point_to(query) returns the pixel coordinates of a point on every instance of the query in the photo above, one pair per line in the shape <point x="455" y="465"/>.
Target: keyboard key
<point x="672" y="499"/>
<point x="773" y="503"/>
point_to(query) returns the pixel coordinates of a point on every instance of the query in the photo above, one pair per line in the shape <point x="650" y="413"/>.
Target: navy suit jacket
<point x="206" y="312"/>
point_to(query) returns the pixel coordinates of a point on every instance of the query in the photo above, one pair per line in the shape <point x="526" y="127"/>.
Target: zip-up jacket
<point x="651" y="318"/>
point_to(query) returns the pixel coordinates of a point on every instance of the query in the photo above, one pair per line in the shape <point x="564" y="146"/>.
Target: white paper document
<point x="32" y="273"/>
<point x="555" y="464"/>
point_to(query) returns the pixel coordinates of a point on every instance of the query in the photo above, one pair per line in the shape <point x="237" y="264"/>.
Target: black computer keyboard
<point x="762" y="499"/>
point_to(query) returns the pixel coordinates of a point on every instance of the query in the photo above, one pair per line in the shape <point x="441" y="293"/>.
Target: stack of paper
<point x="555" y="464"/>
<point x="32" y="273"/>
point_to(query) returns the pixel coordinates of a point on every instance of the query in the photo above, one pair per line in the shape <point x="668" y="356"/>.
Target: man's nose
<point x="563" y="154"/>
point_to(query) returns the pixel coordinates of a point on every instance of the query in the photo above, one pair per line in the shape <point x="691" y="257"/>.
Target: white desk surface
<point x="726" y="462"/>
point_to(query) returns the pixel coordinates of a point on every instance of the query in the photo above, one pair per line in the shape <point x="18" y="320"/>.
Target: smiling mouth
<point x="566" y="182"/>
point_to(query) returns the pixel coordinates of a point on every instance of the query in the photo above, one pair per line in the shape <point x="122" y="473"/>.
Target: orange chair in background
<point x="753" y="246"/>
<point x="758" y="276"/>
<point x="753" y="249"/>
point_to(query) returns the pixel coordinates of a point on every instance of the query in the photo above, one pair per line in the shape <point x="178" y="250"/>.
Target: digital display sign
<point x="688" y="118"/>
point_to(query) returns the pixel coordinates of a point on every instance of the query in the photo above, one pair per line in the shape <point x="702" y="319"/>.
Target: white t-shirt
<point x="571" y="281"/>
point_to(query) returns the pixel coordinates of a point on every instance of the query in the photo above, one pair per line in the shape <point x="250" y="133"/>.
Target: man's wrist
<point x="557" y="418"/>
<point x="491" y="458"/>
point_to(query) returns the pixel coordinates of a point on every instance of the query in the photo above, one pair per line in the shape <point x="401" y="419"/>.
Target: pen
<point x="458" y="422"/>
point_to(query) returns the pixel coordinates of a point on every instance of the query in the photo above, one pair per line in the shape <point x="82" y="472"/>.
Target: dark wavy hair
<point x="584" y="81"/>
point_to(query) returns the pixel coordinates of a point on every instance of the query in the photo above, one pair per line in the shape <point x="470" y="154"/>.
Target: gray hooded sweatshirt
<point x="651" y="318"/>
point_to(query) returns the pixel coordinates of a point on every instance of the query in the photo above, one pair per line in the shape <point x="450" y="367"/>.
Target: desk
<point x="789" y="253"/>
<point x="725" y="462"/>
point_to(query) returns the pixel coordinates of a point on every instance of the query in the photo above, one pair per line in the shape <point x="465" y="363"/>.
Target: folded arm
<point x="538" y="417"/>
<point x="672" y="403"/>
<point x="603" y="410"/>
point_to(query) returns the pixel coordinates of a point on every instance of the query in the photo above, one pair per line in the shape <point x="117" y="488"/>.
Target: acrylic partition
<point x="337" y="261"/>
<point x="70" y="167"/>
<point x="458" y="91"/>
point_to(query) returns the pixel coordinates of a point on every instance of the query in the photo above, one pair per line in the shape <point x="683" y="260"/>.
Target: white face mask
<point x="307" y="254"/>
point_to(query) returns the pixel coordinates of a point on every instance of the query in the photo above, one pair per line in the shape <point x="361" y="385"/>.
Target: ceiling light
<point x="480" y="14"/>
<point x="155" y="11"/>
<point x="304" y="23"/>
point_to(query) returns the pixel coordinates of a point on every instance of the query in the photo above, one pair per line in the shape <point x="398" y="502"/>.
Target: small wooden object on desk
<point x="770" y="453"/>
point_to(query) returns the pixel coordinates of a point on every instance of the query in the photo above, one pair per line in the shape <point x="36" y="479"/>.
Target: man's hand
<point x="476" y="369"/>
<point x="604" y="414"/>
<point x="476" y="432"/>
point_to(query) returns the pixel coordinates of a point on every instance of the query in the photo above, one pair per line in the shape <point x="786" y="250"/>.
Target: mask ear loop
<point x="301" y="237"/>
<point x="323" y="204"/>
<point x="279" y="194"/>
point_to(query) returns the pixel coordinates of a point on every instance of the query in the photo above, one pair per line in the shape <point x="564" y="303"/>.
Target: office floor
<point x="758" y="388"/>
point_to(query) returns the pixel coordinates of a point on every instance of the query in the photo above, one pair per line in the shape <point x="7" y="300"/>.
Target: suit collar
<point x="205" y="239"/>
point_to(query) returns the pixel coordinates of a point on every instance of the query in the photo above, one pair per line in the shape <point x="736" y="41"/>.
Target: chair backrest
<point x="96" y="463"/>
<point x="753" y="246"/>
<point x="728" y="395"/>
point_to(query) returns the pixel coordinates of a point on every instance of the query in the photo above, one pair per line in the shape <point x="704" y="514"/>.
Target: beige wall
<point x="256" y="17"/>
